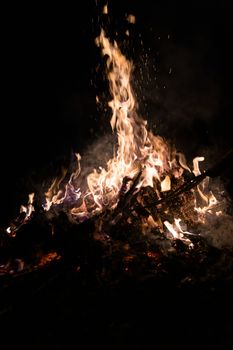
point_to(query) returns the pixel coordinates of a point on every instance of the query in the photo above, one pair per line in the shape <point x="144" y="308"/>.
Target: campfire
<point x="137" y="214"/>
<point x="130" y="244"/>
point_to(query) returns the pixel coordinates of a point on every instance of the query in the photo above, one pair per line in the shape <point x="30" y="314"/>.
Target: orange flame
<point x="138" y="150"/>
<point x="25" y="215"/>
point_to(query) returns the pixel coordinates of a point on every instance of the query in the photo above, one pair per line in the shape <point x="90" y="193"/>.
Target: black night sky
<point x="182" y="79"/>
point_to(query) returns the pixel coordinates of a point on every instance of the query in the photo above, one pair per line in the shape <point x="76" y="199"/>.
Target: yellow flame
<point x="177" y="232"/>
<point x="52" y="195"/>
<point x="173" y="230"/>
<point x="166" y="184"/>
<point x="137" y="149"/>
<point x="182" y="161"/>
<point x="196" y="169"/>
<point x="29" y="208"/>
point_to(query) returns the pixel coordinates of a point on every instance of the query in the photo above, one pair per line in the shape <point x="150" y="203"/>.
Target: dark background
<point x="49" y="83"/>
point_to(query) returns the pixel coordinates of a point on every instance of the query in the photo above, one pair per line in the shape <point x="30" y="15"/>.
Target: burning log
<point x="128" y="203"/>
<point x="214" y="171"/>
<point x="30" y="238"/>
<point x="126" y="199"/>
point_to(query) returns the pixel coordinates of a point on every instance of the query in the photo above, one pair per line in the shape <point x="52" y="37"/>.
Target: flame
<point x="29" y="208"/>
<point x="196" y="169"/>
<point x="138" y="151"/>
<point x="178" y="232"/>
<point x="166" y="184"/>
<point x="137" y="147"/>
<point x="105" y="9"/>
<point x="26" y="212"/>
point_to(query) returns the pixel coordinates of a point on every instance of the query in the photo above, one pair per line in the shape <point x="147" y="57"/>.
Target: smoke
<point x="218" y="231"/>
<point x="218" y="228"/>
<point x="95" y="156"/>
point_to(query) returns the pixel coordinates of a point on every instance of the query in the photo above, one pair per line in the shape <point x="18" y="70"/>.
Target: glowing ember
<point x="47" y="258"/>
